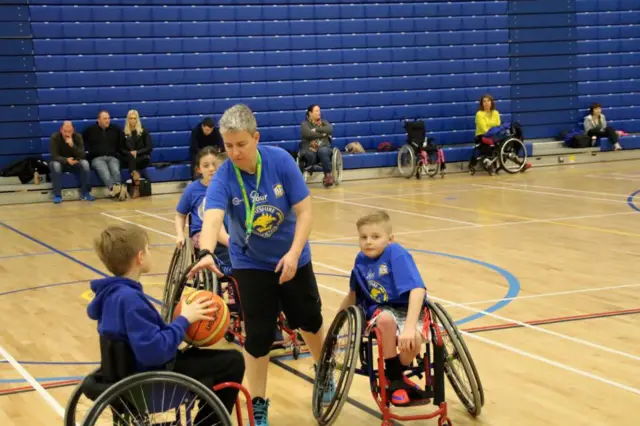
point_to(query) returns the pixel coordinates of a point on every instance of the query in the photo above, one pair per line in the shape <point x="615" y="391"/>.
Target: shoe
<point x="124" y="193"/>
<point x="87" y="197"/>
<point x="329" y="391"/>
<point x="57" y="199"/>
<point x="260" y="411"/>
<point x="115" y="190"/>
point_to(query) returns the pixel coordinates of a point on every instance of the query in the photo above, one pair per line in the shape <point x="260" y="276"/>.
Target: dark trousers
<point x="607" y="132"/>
<point x="323" y="156"/>
<point x="138" y="163"/>
<point x="81" y="169"/>
<point x="212" y="367"/>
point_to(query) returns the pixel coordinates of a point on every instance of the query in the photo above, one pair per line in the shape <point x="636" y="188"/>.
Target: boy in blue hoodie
<point x="125" y="313"/>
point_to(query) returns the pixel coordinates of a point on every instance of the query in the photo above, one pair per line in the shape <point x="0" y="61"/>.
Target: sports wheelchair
<point x="500" y="149"/>
<point x="183" y="260"/>
<point x="445" y="353"/>
<point x="420" y="155"/>
<point x="336" y="166"/>
<point x="115" y="395"/>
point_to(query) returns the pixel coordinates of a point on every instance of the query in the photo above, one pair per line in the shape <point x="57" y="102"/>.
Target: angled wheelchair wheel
<point x="157" y="397"/>
<point x="77" y="404"/>
<point x="336" y="166"/>
<point x="303" y="170"/>
<point x="203" y="280"/>
<point x="179" y="261"/>
<point x="513" y="155"/>
<point x="432" y="167"/>
<point x="459" y="366"/>
<point x="407" y="161"/>
<point x="337" y="364"/>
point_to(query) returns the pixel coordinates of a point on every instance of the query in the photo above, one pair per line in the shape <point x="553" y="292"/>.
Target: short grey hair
<point x="238" y="118"/>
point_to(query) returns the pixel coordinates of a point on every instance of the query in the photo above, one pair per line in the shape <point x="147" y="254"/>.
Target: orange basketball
<point x="205" y="333"/>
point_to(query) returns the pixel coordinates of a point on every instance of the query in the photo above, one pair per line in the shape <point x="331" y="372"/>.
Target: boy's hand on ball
<point x="197" y="310"/>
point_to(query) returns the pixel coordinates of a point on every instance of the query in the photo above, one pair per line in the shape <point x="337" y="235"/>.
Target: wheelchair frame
<point x="421" y="151"/>
<point x="361" y="341"/>
<point x="336" y="167"/>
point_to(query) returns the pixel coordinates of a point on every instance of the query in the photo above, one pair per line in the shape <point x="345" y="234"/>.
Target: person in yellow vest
<point x="486" y="117"/>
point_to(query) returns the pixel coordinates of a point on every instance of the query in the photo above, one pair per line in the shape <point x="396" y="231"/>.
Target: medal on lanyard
<point x="249" y="208"/>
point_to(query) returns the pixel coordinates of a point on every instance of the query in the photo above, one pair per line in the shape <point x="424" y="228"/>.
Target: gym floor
<point x="539" y="270"/>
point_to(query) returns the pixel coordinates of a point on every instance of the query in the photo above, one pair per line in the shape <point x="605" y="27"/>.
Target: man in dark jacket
<point x="204" y="134"/>
<point x="103" y="141"/>
<point x="67" y="155"/>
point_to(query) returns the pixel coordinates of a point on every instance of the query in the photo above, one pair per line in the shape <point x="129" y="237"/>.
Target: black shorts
<point x="262" y="298"/>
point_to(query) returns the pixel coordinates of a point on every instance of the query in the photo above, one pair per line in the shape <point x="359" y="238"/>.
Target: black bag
<point x="24" y="169"/>
<point x="580" y="141"/>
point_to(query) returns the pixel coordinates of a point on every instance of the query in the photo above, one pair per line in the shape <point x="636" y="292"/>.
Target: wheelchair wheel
<point x="305" y="173"/>
<point x="77" y="399"/>
<point x="343" y="337"/>
<point x="432" y="167"/>
<point x="180" y="259"/>
<point x="156" y="396"/>
<point x="459" y="366"/>
<point x="336" y="166"/>
<point x="513" y="155"/>
<point x="204" y="280"/>
<point x="407" y="161"/>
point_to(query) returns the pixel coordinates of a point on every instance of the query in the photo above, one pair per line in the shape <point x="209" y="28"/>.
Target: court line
<point x="137" y="224"/>
<point x="557" y="320"/>
<point x="631" y="202"/>
<point x="526" y="185"/>
<point x="395" y="211"/>
<point x="557" y="293"/>
<point x="33" y="382"/>
<point x="510" y="320"/>
<point x="155" y="216"/>
<point x="582" y="197"/>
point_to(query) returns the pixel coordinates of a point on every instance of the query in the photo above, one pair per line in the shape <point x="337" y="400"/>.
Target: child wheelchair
<point x="445" y="354"/>
<point x="501" y="148"/>
<point x="336" y="167"/>
<point x="420" y="155"/>
<point x="114" y="395"/>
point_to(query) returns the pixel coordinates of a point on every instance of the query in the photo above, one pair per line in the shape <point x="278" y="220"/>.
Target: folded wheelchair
<point x="502" y="148"/>
<point x="420" y="156"/>
<point x="183" y="260"/>
<point x="115" y="395"/>
<point x="351" y="339"/>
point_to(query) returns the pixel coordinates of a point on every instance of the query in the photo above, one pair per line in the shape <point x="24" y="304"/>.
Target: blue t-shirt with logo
<point x="274" y="223"/>
<point x="192" y="202"/>
<point x="387" y="280"/>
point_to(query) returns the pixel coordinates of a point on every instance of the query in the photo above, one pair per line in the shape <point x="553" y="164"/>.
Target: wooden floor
<point x="558" y="247"/>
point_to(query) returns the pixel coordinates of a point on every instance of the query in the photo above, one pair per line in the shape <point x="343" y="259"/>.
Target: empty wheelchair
<point x="114" y="395"/>
<point x="336" y="167"/>
<point x="420" y="156"/>
<point x="350" y="338"/>
<point x="501" y="148"/>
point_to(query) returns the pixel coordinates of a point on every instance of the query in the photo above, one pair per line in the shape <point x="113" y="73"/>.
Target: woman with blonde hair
<point x="136" y="149"/>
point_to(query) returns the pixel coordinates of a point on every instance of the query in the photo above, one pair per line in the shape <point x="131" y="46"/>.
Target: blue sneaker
<point x="57" y="199"/>
<point x="260" y="411"/>
<point x="328" y="391"/>
<point x="87" y="197"/>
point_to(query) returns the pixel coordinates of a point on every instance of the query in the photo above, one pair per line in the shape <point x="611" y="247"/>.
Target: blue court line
<point x="45" y="253"/>
<point x="631" y="202"/>
<point x="512" y="291"/>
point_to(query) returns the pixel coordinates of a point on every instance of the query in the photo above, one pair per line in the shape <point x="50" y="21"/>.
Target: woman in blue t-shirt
<point x="192" y="203"/>
<point x="264" y="195"/>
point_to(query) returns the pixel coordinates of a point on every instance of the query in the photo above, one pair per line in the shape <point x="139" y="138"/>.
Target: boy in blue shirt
<point x="386" y="283"/>
<point x="125" y="313"/>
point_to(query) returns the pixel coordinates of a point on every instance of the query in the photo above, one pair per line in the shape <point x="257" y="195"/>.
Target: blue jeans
<point x="323" y="156"/>
<point x="81" y="169"/>
<point x="108" y="168"/>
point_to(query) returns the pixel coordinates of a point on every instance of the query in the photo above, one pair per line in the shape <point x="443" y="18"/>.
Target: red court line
<point x="44" y="385"/>
<point x="555" y="320"/>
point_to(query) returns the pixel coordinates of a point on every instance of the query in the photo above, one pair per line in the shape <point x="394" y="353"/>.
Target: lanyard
<point x="250" y="210"/>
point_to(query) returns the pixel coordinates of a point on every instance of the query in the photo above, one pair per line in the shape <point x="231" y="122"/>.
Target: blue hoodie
<point x="124" y="312"/>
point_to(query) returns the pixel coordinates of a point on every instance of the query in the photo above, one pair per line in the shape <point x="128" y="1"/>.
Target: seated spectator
<point x="595" y="126"/>
<point x="136" y="150"/>
<point x="486" y="117"/>
<point x="67" y="155"/>
<point x="103" y="140"/>
<point x="204" y="134"/>
<point x="315" y="146"/>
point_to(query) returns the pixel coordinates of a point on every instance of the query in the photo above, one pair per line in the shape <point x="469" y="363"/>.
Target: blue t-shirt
<point x="192" y="202"/>
<point x="281" y="187"/>
<point x="387" y="280"/>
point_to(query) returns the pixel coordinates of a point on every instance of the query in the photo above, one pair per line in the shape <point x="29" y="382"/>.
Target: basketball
<point x="205" y="333"/>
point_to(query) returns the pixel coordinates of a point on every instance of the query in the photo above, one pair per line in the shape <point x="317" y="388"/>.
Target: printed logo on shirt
<point x="377" y="291"/>
<point x="257" y="198"/>
<point x="267" y="220"/>
<point x="383" y="270"/>
<point x="202" y="208"/>
<point x="278" y="190"/>
<point x="236" y="201"/>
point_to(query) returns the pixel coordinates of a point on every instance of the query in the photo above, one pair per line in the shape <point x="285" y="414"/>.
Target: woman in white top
<point x="595" y="125"/>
